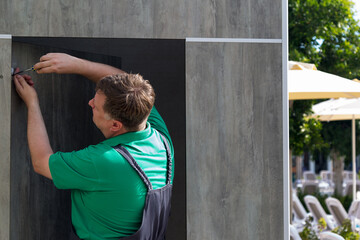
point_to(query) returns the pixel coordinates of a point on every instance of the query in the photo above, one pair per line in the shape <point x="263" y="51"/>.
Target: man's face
<point x="100" y="118"/>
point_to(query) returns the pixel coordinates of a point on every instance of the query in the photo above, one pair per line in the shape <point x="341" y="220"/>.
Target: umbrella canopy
<point x="337" y="109"/>
<point x="305" y="82"/>
<point x="341" y="109"/>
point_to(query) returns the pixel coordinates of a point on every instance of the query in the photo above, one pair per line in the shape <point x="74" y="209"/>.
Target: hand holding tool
<point x="26" y="70"/>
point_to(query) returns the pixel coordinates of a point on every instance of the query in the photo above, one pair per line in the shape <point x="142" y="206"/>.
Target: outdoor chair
<point x="337" y="210"/>
<point x="310" y="187"/>
<point x="347" y="175"/>
<point x="308" y="175"/>
<point x="294" y="235"/>
<point x="326" y="176"/>
<point x="354" y="210"/>
<point x="330" y="236"/>
<point x="298" y="209"/>
<point x="348" y="187"/>
<point x="317" y="211"/>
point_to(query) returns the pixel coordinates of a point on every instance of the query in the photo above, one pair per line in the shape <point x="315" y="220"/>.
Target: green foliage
<point x="305" y="133"/>
<point x="308" y="233"/>
<point x="323" y="32"/>
<point x="345" y="231"/>
<point x="338" y="136"/>
<point x="321" y="224"/>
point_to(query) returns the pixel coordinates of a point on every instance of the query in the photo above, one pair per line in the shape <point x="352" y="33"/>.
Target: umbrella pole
<point x="354" y="158"/>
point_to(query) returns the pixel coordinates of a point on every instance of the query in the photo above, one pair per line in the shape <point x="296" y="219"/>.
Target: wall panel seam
<point x="5" y="36"/>
<point x="235" y="40"/>
<point x="285" y="101"/>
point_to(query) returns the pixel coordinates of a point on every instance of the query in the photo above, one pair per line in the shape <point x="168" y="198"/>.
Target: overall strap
<point x="125" y="153"/>
<point x="169" y="162"/>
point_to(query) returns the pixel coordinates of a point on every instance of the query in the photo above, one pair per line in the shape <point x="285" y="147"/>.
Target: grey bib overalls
<point x="158" y="202"/>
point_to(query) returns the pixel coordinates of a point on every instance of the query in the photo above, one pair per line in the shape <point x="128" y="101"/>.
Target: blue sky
<point x="357" y="8"/>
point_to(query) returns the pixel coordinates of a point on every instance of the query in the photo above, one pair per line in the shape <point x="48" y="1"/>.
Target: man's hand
<point x="58" y="63"/>
<point x="24" y="87"/>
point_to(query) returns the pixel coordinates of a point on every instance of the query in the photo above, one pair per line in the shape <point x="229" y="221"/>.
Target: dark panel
<point x="160" y="61"/>
<point x="234" y="141"/>
<point x="38" y="209"/>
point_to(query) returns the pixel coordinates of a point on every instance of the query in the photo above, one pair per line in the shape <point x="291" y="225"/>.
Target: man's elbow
<point x="37" y="168"/>
<point x="41" y="166"/>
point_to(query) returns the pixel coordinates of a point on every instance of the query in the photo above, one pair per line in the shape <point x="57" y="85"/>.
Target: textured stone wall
<point x="234" y="160"/>
<point x="142" y="18"/>
<point x="5" y="123"/>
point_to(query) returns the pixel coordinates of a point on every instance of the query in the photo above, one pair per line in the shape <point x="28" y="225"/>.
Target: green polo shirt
<point x="108" y="196"/>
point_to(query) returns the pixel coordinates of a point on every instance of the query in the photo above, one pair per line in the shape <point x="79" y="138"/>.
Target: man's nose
<point x="91" y="103"/>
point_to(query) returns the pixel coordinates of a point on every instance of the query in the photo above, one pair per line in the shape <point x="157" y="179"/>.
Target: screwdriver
<point x="26" y="70"/>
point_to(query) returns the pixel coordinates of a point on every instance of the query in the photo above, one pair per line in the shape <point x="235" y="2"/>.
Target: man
<point x="117" y="185"/>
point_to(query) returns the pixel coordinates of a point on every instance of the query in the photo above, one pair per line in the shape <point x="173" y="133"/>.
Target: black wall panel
<point x="38" y="209"/>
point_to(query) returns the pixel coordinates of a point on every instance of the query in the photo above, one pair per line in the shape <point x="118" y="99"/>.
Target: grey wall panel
<point x="234" y="19"/>
<point x="5" y="24"/>
<point x="5" y="98"/>
<point x="234" y="141"/>
<point x="143" y="18"/>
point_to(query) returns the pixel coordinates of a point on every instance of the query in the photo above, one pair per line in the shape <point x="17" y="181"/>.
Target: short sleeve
<point x="74" y="170"/>
<point x="157" y="122"/>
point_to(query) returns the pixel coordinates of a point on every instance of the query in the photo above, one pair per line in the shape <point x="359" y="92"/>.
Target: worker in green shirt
<point x="121" y="187"/>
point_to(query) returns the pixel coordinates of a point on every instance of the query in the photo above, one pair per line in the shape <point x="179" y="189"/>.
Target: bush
<point x="346" y="232"/>
<point x="309" y="233"/>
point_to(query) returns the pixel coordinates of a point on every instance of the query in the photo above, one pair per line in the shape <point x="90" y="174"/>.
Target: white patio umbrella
<point x="341" y="109"/>
<point x="305" y="82"/>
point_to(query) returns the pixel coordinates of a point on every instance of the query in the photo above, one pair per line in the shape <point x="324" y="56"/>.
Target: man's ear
<point x="116" y="126"/>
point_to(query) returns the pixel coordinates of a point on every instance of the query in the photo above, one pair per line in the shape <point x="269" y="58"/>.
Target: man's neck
<point x="123" y="130"/>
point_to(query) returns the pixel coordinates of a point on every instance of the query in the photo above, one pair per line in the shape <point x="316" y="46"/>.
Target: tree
<point x="305" y="133"/>
<point x="323" y="32"/>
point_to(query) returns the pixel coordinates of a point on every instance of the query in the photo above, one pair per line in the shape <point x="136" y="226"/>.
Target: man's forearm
<point x="62" y="63"/>
<point x="38" y="140"/>
<point x="96" y="71"/>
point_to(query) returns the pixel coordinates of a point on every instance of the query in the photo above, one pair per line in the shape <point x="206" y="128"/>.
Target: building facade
<point x="218" y="70"/>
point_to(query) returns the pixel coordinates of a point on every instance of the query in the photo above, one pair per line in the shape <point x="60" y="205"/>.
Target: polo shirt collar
<point x="129" y="136"/>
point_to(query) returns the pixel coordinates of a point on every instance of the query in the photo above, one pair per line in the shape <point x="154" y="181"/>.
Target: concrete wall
<point x="234" y="100"/>
<point x="5" y="123"/>
<point x="233" y="189"/>
<point x="142" y="18"/>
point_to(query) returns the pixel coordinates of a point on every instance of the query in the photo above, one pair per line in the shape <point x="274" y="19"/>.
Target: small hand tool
<point x="26" y="70"/>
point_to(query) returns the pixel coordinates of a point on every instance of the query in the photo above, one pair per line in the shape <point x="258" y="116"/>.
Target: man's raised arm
<point x="39" y="145"/>
<point x="62" y="63"/>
